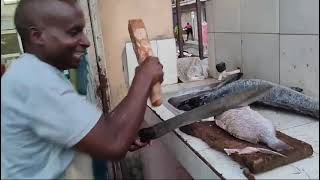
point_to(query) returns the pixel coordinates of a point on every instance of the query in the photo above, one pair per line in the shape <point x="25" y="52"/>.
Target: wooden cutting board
<point x="258" y="162"/>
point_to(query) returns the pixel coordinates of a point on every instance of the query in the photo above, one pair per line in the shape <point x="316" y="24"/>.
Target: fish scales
<point x="248" y="125"/>
<point x="279" y="96"/>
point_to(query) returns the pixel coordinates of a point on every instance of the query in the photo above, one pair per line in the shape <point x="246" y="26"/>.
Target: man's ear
<point x="36" y="36"/>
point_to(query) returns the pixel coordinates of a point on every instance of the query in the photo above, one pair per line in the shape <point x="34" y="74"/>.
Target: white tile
<point x="283" y="120"/>
<point x="226" y="15"/>
<point x="260" y="54"/>
<point x="183" y="135"/>
<point x="163" y="112"/>
<point x="210" y="14"/>
<point x="131" y="60"/>
<point x="299" y="16"/>
<point x="228" y="49"/>
<point x="308" y="133"/>
<point x="196" y="143"/>
<point x="260" y="16"/>
<point x="227" y="167"/>
<point x="130" y="63"/>
<point x="299" y="62"/>
<point x="167" y="57"/>
<point x="304" y="169"/>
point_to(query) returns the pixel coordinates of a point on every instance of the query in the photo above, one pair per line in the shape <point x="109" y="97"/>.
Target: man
<point x="189" y="31"/>
<point x="43" y="119"/>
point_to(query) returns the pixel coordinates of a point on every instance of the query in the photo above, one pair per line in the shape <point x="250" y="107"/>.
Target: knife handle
<point x="146" y="134"/>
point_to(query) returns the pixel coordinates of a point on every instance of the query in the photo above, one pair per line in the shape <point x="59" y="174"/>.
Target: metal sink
<point x="185" y="99"/>
<point x="196" y="96"/>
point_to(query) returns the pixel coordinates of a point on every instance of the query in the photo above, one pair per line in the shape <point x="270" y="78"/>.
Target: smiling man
<point x="43" y="119"/>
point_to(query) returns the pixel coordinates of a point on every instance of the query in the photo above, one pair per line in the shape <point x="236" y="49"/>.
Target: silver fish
<point x="177" y="100"/>
<point x="248" y="125"/>
<point x="279" y="97"/>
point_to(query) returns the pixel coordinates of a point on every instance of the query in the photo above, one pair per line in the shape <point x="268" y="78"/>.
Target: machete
<point x="229" y="101"/>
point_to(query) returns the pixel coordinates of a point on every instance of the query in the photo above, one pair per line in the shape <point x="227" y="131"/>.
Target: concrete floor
<point x="192" y="47"/>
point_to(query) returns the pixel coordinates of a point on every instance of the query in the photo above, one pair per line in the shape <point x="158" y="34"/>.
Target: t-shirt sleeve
<point x="62" y="116"/>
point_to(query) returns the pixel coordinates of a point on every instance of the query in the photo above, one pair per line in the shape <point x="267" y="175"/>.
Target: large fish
<point x="279" y="97"/>
<point x="176" y="101"/>
<point x="248" y="125"/>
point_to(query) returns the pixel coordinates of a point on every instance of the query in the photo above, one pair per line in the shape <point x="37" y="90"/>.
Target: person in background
<point x="189" y="31"/>
<point x="44" y="121"/>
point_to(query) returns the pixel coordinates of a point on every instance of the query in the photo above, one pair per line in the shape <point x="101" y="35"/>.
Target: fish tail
<point x="279" y="146"/>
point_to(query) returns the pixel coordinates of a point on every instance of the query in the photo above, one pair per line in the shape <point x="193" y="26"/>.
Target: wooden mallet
<point x="142" y="49"/>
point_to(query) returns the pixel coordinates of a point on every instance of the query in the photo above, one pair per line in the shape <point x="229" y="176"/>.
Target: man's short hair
<point x="22" y="20"/>
<point x="27" y="14"/>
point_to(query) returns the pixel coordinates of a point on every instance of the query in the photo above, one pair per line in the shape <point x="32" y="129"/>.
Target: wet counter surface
<point x="203" y="162"/>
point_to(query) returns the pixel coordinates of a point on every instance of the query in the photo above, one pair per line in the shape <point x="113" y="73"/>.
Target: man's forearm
<point x="114" y="133"/>
<point x="128" y="115"/>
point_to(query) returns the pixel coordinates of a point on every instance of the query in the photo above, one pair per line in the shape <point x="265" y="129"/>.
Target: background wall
<point x="157" y="16"/>
<point x="7" y="12"/>
<point x="275" y="40"/>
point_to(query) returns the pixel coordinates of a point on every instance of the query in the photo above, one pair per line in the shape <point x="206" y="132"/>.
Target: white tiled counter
<point x="203" y="162"/>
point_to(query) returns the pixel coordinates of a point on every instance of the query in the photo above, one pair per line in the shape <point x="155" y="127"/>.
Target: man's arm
<point x="113" y="134"/>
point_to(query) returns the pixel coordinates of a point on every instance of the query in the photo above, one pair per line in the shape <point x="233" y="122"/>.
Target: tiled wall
<point x="165" y="50"/>
<point x="275" y="40"/>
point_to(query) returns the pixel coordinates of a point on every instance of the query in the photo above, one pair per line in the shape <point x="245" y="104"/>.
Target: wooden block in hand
<point x="142" y="49"/>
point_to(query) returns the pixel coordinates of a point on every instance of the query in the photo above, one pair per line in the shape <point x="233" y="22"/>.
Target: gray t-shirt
<point x="42" y="117"/>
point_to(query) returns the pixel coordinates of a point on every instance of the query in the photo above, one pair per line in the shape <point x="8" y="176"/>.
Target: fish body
<point x="279" y="97"/>
<point x="248" y="125"/>
<point x="175" y="101"/>
<point x="289" y="99"/>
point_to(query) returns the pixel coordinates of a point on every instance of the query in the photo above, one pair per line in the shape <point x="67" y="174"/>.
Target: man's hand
<point x="151" y="68"/>
<point x="137" y="144"/>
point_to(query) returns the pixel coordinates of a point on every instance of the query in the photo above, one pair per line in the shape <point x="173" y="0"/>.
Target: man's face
<point x="64" y="40"/>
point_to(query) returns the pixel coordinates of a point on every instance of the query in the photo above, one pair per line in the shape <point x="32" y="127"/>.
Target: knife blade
<point x="214" y="108"/>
